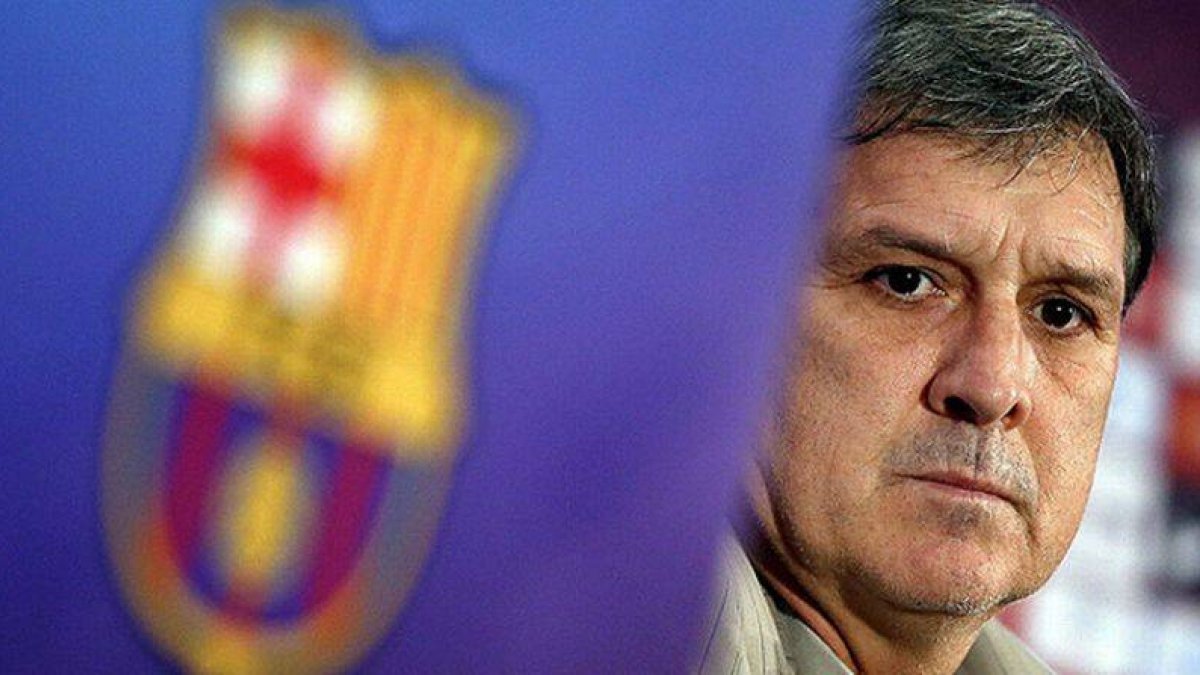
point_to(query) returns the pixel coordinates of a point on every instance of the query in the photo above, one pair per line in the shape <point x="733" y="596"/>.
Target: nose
<point x="985" y="372"/>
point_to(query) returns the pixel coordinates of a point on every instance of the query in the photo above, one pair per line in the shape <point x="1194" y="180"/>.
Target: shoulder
<point x="741" y="635"/>
<point x="749" y="634"/>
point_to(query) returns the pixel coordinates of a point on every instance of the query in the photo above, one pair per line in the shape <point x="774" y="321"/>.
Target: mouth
<point x="964" y="486"/>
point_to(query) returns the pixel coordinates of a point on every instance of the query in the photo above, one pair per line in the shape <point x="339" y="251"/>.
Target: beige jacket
<point x="750" y="636"/>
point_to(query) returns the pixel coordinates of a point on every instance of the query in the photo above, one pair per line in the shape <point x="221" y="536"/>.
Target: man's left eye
<point x="1060" y="315"/>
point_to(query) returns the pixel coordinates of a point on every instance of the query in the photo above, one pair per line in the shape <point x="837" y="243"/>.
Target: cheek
<point x="827" y="389"/>
<point x="1064" y="443"/>
<point x="840" y="401"/>
<point x="1065" y="489"/>
<point x="856" y="375"/>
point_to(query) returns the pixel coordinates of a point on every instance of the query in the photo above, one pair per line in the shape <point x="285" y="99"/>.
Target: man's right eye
<point x="909" y="284"/>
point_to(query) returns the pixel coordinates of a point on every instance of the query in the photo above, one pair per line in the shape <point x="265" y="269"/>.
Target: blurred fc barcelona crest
<point x="291" y="394"/>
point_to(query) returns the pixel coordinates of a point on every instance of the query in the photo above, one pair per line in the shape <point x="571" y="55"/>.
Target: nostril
<point x="959" y="409"/>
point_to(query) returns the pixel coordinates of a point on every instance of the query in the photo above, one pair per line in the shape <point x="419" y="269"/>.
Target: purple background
<point x="1154" y="45"/>
<point x="633" y="292"/>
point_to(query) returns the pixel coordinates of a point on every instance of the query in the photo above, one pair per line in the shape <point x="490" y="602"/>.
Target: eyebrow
<point x="1095" y="282"/>
<point x="1099" y="284"/>
<point x="884" y="236"/>
<point x="889" y="237"/>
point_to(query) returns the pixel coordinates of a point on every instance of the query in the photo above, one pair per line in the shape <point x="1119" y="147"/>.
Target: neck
<point x="867" y="636"/>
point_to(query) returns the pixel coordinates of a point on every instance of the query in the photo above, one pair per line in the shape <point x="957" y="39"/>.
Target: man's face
<point x="939" y="435"/>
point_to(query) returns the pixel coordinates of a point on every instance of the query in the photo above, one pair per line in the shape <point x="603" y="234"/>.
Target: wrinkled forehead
<point x="937" y="169"/>
<point x="1061" y="203"/>
<point x="1002" y="164"/>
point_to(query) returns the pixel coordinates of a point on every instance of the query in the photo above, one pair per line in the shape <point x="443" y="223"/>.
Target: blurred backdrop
<point x="390" y="335"/>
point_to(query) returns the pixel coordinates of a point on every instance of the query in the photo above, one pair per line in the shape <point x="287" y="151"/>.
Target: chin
<point x="950" y="576"/>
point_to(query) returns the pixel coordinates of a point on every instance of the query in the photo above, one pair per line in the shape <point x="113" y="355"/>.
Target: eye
<point x="1061" y="315"/>
<point x="906" y="283"/>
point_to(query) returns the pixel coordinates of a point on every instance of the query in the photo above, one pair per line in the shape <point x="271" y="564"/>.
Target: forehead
<point x="1064" y="204"/>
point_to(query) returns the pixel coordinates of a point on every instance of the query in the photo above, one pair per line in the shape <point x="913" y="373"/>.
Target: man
<point x="935" y="443"/>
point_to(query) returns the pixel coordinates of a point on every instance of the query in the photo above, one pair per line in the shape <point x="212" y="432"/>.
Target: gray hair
<point x="1015" y="81"/>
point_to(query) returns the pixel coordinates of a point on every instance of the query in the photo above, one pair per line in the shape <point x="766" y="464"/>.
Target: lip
<point x="961" y="483"/>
